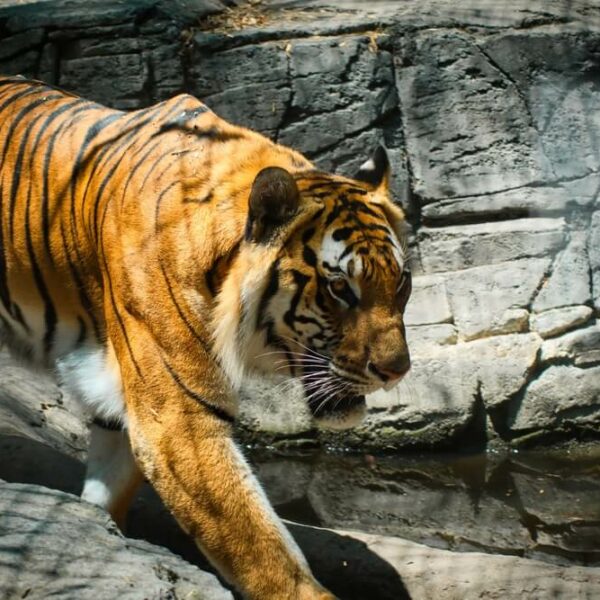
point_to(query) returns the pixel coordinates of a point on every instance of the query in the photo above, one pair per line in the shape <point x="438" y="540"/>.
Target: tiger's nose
<point x="391" y="370"/>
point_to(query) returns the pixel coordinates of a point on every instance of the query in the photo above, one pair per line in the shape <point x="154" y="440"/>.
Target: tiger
<point x="154" y="259"/>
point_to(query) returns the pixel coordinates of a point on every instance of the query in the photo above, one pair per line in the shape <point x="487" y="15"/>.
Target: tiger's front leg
<point x="181" y="439"/>
<point x="205" y="482"/>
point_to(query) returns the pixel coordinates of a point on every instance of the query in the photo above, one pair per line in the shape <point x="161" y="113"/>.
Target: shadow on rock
<point x="347" y="566"/>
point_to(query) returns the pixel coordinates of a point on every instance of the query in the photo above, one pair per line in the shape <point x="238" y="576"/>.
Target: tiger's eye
<point x="338" y="286"/>
<point x="340" y="290"/>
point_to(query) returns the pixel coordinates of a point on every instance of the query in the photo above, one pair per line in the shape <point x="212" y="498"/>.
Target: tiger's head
<point x="321" y="287"/>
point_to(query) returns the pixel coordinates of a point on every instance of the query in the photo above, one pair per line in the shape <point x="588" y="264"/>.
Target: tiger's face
<point x="331" y="311"/>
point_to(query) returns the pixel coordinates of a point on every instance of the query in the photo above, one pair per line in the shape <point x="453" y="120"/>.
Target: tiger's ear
<point x="376" y="171"/>
<point x="273" y="202"/>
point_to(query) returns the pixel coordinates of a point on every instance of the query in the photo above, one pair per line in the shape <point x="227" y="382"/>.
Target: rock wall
<point x="491" y="114"/>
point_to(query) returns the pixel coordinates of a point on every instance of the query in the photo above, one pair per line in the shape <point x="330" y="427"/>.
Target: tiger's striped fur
<point x="152" y="258"/>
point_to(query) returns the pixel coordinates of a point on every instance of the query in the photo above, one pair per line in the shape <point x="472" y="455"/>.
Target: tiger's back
<point x="64" y="161"/>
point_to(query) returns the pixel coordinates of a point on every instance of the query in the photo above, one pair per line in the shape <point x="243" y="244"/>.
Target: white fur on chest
<point x="88" y="376"/>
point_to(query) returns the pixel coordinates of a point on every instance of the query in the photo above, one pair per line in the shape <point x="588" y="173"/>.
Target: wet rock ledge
<point x="53" y="544"/>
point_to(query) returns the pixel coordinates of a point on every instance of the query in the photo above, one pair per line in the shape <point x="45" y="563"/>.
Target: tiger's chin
<point x="338" y="413"/>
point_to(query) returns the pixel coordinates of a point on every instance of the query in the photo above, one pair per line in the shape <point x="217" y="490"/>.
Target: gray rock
<point x="554" y="92"/>
<point x="215" y="73"/>
<point x="556" y="321"/>
<point x="167" y="70"/>
<point x="439" y="384"/>
<point x="492" y="300"/>
<point x="594" y="256"/>
<point x="547" y="198"/>
<point x="340" y="86"/>
<point x="569" y="281"/>
<point x="503" y="365"/>
<point x="54" y="545"/>
<point x="561" y="397"/>
<point x="94" y="77"/>
<point x="458" y="146"/>
<point x="403" y="502"/>
<point x="461" y="247"/>
<point x="20" y="43"/>
<point x="574" y="345"/>
<point x="284" y="481"/>
<point x="34" y="407"/>
<point x="422" y="338"/>
<point x="23" y="64"/>
<point x="428" y="302"/>
<point x="271" y="105"/>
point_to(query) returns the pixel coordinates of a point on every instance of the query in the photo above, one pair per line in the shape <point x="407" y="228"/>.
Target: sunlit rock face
<point x="491" y="118"/>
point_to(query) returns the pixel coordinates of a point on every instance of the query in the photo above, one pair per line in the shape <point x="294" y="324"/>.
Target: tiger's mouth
<point x="325" y="406"/>
<point x="333" y="406"/>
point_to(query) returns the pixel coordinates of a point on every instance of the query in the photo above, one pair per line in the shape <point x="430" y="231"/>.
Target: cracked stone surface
<point x="463" y="246"/>
<point x="492" y="299"/>
<point x="556" y="321"/>
<point x="573" y="345"/>
<point x="54" y="545"/>
<point x="491" y="118"/>
<point x="561" y="396"/>
<point x="569" y="283"/>
<point x="429" y="302"/>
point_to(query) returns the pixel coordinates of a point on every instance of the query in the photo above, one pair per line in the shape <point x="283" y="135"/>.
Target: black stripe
<point x="141" y="162"/>
<point x="343" y="233"/>
<point x="309" y="256"/>
<point x="214" y="410"/>
<point x="4" y="289"/>
<point x="333" y="215"/>
<point x="162" y="194"/>
<point x="308" y="234"/>
<point x="18" y="316"/>
<point x="45" y="201"/>
<point x="114" y="149"/>
<point x="270" y="291"/>
<point x="152" y="166"/>
<point x="12" y="308"/>
<point x="15" y="97"/>
<point x="210" y="275"/>
<point x="80" y="163"/>
<point x="107" y="153"/>
<point x="300" y="280"/>
<point x="180" y="311"/>
<point x="118" y="316"/>
<point x="272" y="339"/>
<point x="77" y="166"/>
<point x="319" y="296"/>
<point x="355" y="190"/>
<point x="82" y="332"/>
<point x="84" y="299"/>
<point x="49" y="310"/>
<point x="19" y="160"/>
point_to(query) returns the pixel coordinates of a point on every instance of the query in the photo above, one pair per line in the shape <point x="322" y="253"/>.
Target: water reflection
<point x="544" y="505"/>
<point x="538" y="504"/>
